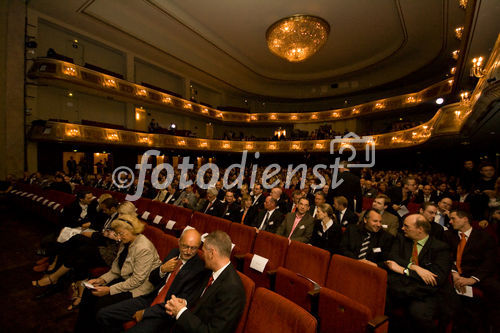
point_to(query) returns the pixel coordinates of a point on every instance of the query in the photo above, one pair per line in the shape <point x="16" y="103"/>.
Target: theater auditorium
<point x="250" y="166"/>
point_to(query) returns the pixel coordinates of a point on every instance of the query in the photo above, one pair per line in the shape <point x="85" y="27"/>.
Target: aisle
<point x="20" y="235"/>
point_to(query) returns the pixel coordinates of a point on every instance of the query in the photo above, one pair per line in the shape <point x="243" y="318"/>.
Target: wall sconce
<point x="477" y="68"/>
<point x="293" y="117"/>
<point x="109" y="83"/>
<point x="73" y="132"/>
<point x="113" y="137"/>
<point x="181" y="143"/>
<point x="205" y="111"/>
<point x="226" y="145"/>
<point x="203" y="144"/>
<point x="458" y="113"/>
<point x="273" y="117"/>
<point x="220" y="115"/>
<point x="187" y="106"/>
<point x="280" y="132"/>
<point x="450" y="82"/>
<point x="144" y="139"/>
<point x="335" y="115"/>
<point x="379" y="106"/>
<point x="314" y="116"/>
<point x="69" y="70"/>
<point x="253" y="117"/>
<point x="166" y="99"/>
<point x="453" y="70"/>
<point x="355" y="111"/>
<point x="463" y="3"/>
<point x="458" y="32"/>
<point x="410" y="99"/>
<point x="272" y="146"/>
<point x="141" y="92"/>
<point x="319" y="146"/>
<point x="464" y="97"/>
<point x="455" y="54"/>
<point x="295" y="146"/>
<point x="425" y="127"/>
<point x="249" y="146"/>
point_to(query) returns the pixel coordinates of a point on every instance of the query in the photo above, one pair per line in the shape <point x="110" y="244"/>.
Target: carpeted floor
<point x="20" y="234"/>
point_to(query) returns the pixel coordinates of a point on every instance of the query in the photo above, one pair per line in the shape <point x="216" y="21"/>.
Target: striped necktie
<point x="364" y="246"/>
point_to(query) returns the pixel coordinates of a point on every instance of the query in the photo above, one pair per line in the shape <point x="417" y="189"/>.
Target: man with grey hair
<point x="187" y="198"/>
<point x="212" y="205"/>
<point x="222" y="296"/>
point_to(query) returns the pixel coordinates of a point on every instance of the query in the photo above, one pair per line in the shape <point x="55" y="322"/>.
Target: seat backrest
<point x="270" y="312"/>
<point x="367" y="203"/>
<point x="340" y="314"/>
<point x="162" y="242"/>
<point x="361" y="282"/>
<point x="249" y="286"/>
<point x="243" y="236"/>
<point x="308" y="260"/>
<point x="272" y="247"/>
<point x="206" y="223"/>
<point x="142" y="205"/>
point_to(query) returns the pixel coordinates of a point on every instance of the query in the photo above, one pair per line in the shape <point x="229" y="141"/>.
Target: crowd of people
<point x="435" y="259"/>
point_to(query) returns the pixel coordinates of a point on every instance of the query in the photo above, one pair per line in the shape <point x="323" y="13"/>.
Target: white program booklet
<point x="468" y="292"/>
<point x="258" y="263"/>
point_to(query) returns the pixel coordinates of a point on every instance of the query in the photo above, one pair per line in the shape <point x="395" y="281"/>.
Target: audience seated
<point x="128" y="276"/>
<point x="327" y="232"/>
<point x="298" y="226"/>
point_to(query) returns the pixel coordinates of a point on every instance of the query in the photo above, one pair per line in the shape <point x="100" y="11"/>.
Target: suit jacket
<point x="191" y="197"/>
<point x="303" y="231"/>
<point x="283" y="205"/>
<point x="434" y="256"/>
<point x="250" y="215"/>
<point x="71" y="215"/>
<point x="420" y="197"/>
<point x="217" y="208"/>
<point x="232" y="212"/>
<point x="479" y="256"/>
<point x="142" y="257"/>
<point x="351" y="189"/>
<point x="378" y="248"/>
<point x="219" y="309"/>
<point x="260" y="202"/>
<point x="349" y="217"/>
<point x="172" y="199"/>
<point x="390" y="222"/>
<point x="183" y="286"/>
<point x="328" y="240"/>
<point x="437" y="231"/>
<point x="272" y="224"/>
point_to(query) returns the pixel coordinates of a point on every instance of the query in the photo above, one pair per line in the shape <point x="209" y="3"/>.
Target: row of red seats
<point x="300" y="270"/>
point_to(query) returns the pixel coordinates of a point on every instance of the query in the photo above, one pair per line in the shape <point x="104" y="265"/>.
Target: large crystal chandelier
<point x="297" y="37"/>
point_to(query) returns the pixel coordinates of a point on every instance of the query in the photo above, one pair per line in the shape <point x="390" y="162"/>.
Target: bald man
<point x="179" y="274"/>
<point x="419" y="266"/>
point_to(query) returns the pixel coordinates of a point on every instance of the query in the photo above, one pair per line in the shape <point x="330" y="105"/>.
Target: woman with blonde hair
<point x="128" y="276"/>
<point x="327" y="230"/>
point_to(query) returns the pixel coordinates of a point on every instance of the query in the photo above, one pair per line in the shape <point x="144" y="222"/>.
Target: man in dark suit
<point x="419" y="266"/>
<point x="319" y="199"/>
<point x="367" y="241"/>
<point x="221" y="294"/>
<point x="443" y="213"/>
<point x="402" y="196"/>
<point x="350" y="188"/>
<point x="429" y="211"/>
<point x="172" y="195"/>
<point x="213" y="206"/>
<point x="268" y="219"/>
<point x="475" y="255"/>
<point x="179" y="274"/>
<point x="81" y="211"/>
<point x="231" y="209"/>
<point x="258" y="198"/>
<point x="298" y="226"/>
<point x="426" y="195"/>
<point x="344" y="215"/>
<point x="283" y="204"/>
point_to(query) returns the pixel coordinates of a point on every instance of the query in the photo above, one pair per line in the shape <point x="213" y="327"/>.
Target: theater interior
<point x="398" y="88"/>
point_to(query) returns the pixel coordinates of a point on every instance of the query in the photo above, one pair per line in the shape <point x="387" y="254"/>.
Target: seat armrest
<point x="376" y="322"/>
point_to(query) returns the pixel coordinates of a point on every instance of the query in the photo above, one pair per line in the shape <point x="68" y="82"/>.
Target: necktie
<point x="264" y="224"/>
<point x="208" y="207"/>
<point x="364" y="246"/>
<point x="414" y="254"/>
<point x="295" y="224"/>
<point x="160" y="298"/>
<point x="209" y="283"/>
<point x="243" y="216"/>
<point x="460" y="251"/>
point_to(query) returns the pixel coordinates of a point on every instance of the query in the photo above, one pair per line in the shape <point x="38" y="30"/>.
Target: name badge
<point x="271" y="223"/>
<point x="302" y="227"/>
<point x="320" y="233"/>
<point x="377" y="249"/>
<point x="384" y="226"/>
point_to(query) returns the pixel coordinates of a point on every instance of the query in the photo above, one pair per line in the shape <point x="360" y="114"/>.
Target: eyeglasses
<point x="186" y="247"/>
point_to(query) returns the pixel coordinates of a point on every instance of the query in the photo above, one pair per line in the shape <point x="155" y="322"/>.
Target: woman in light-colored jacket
<point x="128" y="276"/>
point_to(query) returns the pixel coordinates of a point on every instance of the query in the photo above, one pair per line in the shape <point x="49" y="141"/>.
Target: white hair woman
<point x="128" y="276"/>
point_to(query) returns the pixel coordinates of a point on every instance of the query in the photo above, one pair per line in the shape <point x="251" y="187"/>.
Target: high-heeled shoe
<point x="37" y="282"/>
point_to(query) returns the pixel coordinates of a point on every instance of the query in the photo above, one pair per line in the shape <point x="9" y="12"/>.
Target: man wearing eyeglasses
<point x="178" y="275"/>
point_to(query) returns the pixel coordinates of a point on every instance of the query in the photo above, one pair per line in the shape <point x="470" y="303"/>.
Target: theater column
<point x="12" y="19"/>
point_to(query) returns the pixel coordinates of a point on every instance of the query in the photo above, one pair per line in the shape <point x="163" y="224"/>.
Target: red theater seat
<point x="270" y="312"/>
<point x="340" y="314"/>
<point x="206" y="223"/>
<point x="163" y="243"/>
<point x="249" y="291"/>
<point x="367" y="203"/>
<point x="360" y="282"/>
<point x="243" y="238"/>
<point x="304" y="270"/>
<point x="270" y="246"/>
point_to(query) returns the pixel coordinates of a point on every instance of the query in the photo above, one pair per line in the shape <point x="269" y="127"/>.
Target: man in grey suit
<point x="390" y="222"/>
<point x="298" y="226"/>
<point x="187" y="198"/>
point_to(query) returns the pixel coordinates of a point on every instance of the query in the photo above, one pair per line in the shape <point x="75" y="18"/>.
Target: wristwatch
<point x="406" y="271"/>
